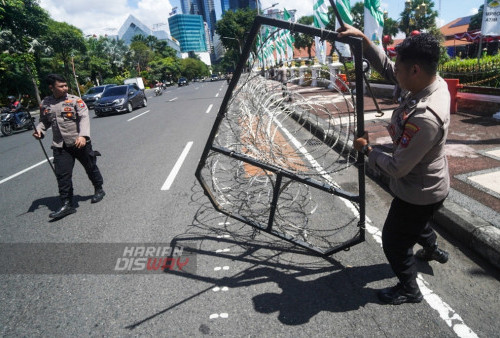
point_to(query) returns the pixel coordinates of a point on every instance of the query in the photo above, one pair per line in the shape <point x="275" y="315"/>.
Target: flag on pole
<point x="321" y="19"/>
<point x="491" y="18"/>
<point x="374" y="22"/>
<point x="344" y="9"/>
<point x="288" y="36"/>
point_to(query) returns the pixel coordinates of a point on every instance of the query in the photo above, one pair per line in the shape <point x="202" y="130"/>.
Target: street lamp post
<point x="273" y="5"/>
<point x="239" y="43"/>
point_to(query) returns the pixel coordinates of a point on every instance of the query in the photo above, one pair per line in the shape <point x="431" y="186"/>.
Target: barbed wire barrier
<point x="279" y="158"/>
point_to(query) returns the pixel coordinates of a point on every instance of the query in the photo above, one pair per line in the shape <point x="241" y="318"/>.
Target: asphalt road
<point x="243" y="283"/>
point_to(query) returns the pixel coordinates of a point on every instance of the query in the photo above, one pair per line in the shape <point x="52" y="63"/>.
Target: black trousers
<point x="406" y="225"/>
<point x="64" y="161"/>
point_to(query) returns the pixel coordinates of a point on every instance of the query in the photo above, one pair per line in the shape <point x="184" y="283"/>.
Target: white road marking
<point x="217" y="289"/>
<point x="23" y="171"/>
<point x="218" y="268"/>
<point x="209" y="108"/>
<point x="172" y="99"/>
<point x="177" y="166"/>
<point x="216" y="315"/>
<point x="451" y="318"/>
<point x="223" y="250"/>
<point x="147" y="111"/>
<point x="224" y="223"/>
<point x="217" y="95"/>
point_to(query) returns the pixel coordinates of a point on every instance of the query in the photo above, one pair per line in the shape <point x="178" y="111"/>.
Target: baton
<point x="341" y="23"/>
<point x="40" y="140"/>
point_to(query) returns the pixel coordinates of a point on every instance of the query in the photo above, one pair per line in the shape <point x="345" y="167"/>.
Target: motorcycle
<point x="158" y="91"/>
<point x="9" y="124"/>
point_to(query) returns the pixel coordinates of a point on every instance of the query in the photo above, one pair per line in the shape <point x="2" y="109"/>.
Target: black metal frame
<point x="356" y="44"/>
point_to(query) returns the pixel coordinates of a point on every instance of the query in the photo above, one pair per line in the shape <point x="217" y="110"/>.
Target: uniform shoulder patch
<point x="410" y="130"/>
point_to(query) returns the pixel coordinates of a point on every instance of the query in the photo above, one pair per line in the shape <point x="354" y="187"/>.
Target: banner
<point x="374" y="22"/>
<point x="321" y="19"/>
<point x="491" y="18"/>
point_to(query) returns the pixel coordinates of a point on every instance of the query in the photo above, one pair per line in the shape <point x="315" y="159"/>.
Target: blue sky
<point x="106" y="17"/>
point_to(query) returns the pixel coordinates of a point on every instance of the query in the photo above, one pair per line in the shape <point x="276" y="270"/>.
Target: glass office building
<point x="189" y="30"/>
<point x="205" y="8"/>
<point x="233" y="5"/>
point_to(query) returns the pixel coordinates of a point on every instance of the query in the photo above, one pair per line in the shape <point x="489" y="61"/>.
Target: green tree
<point x="417" y="15"/>
<point x="192" y="68"/>
<point x="358" y="14"/>
<point x="232" y="29"/>
<point x="390" y="27"/>
<point x="477" y="20"/>
<point x="21" y="24"/>
<point x="168" y="68"/>
<point x="141" y="55"/>
<point x="304" y="40"/>
<point x="66" y="40"/>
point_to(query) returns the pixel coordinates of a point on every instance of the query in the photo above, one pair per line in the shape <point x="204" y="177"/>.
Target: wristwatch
<point x="366" y="149"/>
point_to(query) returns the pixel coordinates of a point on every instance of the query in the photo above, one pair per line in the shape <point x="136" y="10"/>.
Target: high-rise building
<point x="205" y="8"/>
<point x="133" y="26"/>
<point x="189" y="30"/>
<point x="233" y="5"/>
<point x="224" y="5"/>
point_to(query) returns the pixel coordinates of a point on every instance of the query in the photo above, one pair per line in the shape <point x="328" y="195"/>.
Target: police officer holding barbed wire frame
<point x="417" y="167"/>
<point x="69" y="118"/>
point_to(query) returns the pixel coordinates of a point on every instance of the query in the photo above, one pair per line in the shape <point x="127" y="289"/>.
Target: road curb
<point x="471" y="230"/>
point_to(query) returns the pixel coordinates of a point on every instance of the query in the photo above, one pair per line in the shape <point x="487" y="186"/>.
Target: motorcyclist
<point x="15" y="108"/>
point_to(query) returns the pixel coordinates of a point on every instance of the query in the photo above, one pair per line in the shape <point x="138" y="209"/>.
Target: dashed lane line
<point x="133" y="118"/>
<point x="177" y="167"/>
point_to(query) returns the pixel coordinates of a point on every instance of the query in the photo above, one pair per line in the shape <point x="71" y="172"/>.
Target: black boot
<point x="65" y="210"/>
<point x="432" y="253"/>
<point x="98" y="195"/>
<point x="400" y="294"/>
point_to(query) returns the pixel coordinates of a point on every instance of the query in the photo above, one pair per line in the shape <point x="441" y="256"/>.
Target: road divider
<point x="177" y="167"/>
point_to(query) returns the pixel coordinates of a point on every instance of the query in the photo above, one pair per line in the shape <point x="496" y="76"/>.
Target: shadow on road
<point x="309" y="284"/>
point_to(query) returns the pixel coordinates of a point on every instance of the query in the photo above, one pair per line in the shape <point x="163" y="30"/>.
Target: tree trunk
<point x="37" y="93"/>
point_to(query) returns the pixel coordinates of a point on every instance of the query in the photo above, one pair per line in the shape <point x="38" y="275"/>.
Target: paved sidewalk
<point x="471" y="213"/>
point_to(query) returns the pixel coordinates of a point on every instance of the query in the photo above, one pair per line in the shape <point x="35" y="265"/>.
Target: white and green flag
<point x="288" y="36"/>
<point x="344" y="9"/>
<point x="321" y="19"/>
<point x="374" y="22"/>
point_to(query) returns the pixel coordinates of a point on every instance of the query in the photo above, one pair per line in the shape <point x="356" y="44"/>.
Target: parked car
<point x="120" y="99"/>
<point x="93" y="94"/>
<point x="182" y="81"/>
<point x="214" y="77"/>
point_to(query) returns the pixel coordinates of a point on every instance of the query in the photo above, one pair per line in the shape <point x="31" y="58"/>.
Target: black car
<point x="182" y="81"/>
<point x="93" y="94"/>
<point x="120" y="99"/>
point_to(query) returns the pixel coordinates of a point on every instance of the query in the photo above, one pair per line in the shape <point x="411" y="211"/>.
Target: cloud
<point x="473" y="11"/>
<point x="440" y="22"/>
<point x="106" y="17"/>
<point x="303" y="7"/>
